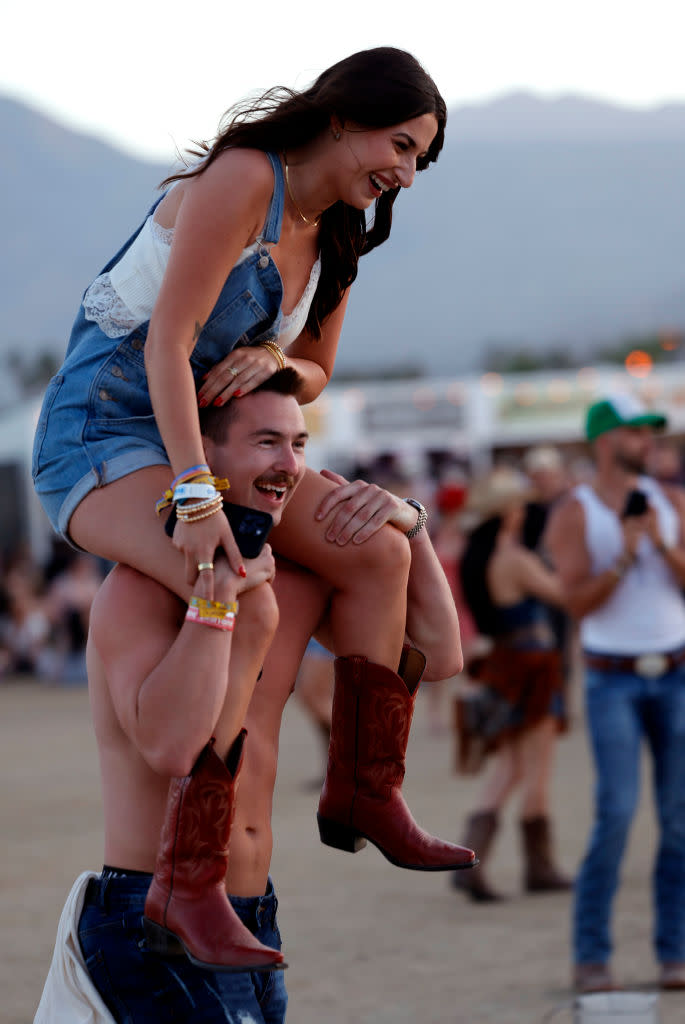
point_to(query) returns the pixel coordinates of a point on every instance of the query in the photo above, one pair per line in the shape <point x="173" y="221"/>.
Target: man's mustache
<point x="277" y="480"/>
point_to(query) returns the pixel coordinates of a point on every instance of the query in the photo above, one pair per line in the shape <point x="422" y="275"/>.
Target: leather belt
<point x="649" y="666"/>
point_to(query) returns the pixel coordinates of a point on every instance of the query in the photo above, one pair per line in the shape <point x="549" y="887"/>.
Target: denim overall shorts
<point x="96" y="423"/>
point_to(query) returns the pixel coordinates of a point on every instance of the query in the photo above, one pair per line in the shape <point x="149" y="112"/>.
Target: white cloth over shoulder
<point x="69" y="996"/>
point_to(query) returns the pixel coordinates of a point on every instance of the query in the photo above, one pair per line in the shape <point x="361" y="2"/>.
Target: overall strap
<point x="274" y="218"/>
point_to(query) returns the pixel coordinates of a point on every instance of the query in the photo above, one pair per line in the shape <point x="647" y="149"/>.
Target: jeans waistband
<point x="254" y="910"/>
<point x="127" y="892"/>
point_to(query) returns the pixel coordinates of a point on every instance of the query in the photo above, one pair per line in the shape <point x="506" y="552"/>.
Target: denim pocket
<point x="119" y="391"/>
<point x="51" y="393"/>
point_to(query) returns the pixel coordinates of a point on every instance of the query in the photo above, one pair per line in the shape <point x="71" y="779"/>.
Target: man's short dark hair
<point x="215" y="420"/>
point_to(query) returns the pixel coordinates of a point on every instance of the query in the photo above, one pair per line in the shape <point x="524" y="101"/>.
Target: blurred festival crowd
<point x="44" y="608"/>
<point x="44" y="613"/>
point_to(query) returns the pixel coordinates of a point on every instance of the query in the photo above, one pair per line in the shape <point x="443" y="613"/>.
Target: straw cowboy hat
<point x="493" y="494"/>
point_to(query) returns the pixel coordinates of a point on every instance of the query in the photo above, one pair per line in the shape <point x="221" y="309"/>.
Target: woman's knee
<point x="386" y="553"/>
<point x="258" y="611"/>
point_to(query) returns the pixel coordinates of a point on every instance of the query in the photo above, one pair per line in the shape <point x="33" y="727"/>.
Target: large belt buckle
<point x="651" y="665"/>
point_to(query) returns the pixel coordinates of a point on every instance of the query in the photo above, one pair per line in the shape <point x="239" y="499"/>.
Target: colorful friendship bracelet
<point x="212" y="613"/>
<point x="191" y="491"/>
<point x="192" y="479"/>
<point x="191" y="474"/>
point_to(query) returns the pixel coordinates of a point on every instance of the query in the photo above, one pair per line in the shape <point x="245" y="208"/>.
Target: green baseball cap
<point x="620" y="410"/>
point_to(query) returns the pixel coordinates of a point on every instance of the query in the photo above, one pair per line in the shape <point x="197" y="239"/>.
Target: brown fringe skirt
<point x="516" y="688"/>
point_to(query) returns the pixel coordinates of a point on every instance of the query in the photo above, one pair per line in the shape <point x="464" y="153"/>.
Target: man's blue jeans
<point x="140" y="987"/>
<point x="622" y="709"/>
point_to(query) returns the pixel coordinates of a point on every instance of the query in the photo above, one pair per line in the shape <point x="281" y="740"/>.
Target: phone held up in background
<point x="249" y="526"/>
<point x="636" y="504"/>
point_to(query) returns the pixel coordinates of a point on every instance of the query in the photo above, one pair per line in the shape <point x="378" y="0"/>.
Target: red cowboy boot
<point x="361" y="797"/>
<point x="187" y="909"/>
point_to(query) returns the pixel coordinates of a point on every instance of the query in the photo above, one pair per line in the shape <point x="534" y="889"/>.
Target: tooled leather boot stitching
<point x="361" y="799"/>
<point x="187" y="909"/>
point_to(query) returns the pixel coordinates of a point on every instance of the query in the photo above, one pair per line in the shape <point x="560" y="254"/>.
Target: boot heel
<point x="342" y="837"/>
<point x="161" y="940"/>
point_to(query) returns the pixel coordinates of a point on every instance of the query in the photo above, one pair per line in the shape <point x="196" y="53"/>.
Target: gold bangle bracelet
<point x="183" y="511"/>
<point x="202" y="515"/>
<point x="276" y="351"/>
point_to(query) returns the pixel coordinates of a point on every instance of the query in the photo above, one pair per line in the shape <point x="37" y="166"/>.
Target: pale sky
<point x="149" y="75"/>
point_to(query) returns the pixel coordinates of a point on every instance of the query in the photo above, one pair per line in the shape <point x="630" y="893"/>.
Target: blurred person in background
<point x="544" y="466"/>
<point x="314" y="692"/>
<point x="517" y="712"/>
<point x="619" y="548"/>
<point x="25" y="626"/>
<point x="449" y="539"/>
<point x="550" y="480"/>
<point x="665" y="462"/>
<point x="69" y="597"/>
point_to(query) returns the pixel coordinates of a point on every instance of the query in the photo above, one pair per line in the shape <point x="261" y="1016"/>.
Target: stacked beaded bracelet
<point x="199" y="509"/>
<point x="196" y="494"/>
<point x="276" y="351"/>
<point x="212" y="613"/>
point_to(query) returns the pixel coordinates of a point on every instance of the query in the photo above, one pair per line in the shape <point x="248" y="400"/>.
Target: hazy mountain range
<point x="544" y="223"/>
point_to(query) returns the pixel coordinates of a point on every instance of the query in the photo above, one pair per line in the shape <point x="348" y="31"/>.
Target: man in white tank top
<point x="619" y="546"/>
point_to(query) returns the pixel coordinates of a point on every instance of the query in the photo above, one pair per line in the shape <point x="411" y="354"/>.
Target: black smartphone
<point x="250" y="527"/>
<point x="636" y="504"/>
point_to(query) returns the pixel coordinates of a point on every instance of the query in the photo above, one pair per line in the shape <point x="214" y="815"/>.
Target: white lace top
<point x="121" y="300"/>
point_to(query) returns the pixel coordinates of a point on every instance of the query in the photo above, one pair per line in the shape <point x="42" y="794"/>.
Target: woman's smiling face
<point x="375" y="160"/>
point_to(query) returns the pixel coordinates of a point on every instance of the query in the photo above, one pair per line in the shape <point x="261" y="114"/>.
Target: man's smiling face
<point x="262" y="453"/>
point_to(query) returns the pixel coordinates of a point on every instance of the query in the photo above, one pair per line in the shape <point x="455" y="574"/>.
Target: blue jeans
<point x="140" y="987"/>
<point x="622" y="709"/>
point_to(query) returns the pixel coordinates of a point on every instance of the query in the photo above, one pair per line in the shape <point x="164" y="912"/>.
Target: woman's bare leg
<point x="302" y="600"/>
<point x="368" y="610"/>
<point x="314" y="688"/>
<point x="502" y="775"/>
<point x="537" y="758"/>
<point x="118" y="522"/>
<point x="369" y="604"/>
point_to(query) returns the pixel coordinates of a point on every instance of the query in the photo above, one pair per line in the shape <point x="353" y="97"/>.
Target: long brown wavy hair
<point x="377" y="88"/>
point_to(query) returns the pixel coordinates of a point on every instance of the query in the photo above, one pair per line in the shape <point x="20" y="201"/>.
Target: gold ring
<point x="232" y="370"/>
<point x="201" y="566"/>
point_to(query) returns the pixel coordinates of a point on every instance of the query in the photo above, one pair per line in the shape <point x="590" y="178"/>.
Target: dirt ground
<point x="366" y="942"/>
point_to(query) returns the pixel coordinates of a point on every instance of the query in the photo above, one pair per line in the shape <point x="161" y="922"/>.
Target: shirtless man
<point x="157" y="689"/>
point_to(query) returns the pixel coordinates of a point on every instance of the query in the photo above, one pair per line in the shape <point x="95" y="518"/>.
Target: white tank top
<point x="646" y="611"/>
<point x="121" y="300"/>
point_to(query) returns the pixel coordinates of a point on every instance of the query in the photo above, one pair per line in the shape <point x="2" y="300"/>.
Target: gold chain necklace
<point x="312" y="223"/>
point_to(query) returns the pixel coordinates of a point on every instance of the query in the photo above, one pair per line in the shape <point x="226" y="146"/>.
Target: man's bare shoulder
<point x="127" y="599"/>
<point x="566" y="513"/>
<point x="564" y="536"/>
